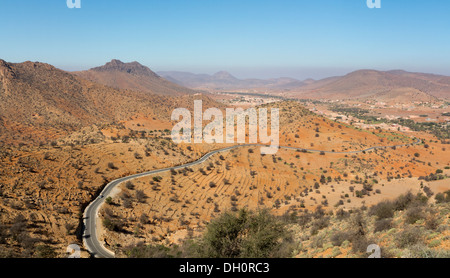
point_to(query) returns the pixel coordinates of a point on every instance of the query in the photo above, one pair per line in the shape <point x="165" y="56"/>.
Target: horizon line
<point x="347" y="72"/>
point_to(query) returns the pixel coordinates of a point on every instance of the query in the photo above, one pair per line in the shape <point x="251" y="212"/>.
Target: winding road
<point x="91" y="219"/>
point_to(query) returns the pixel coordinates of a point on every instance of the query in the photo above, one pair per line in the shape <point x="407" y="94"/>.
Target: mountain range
<point x="378" y="85"/>
<point x="223" y="80"/>
<point x="40" y="100"/>
<point x="362" y="84"/>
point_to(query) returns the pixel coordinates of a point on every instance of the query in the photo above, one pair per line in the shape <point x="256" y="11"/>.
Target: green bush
<point x="421" y="251"/>
<point x="112" y="225"/>
<point x="247" y="235"/>
<point x="108" y="200"/>
<point x="434" y="243"/>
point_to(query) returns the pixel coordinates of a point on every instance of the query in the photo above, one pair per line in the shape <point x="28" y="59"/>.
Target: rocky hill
<point x="379" y="85"/>
<point x="39" y="102"/>
<point x="133" y="76"/>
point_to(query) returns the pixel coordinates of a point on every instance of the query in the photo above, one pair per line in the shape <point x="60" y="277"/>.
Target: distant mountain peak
<point x="398" y="72"/>
<point x="223" y="75"/>
<point x="131" y="68"/>
<point x="132" y="76"/>
<point x="365" y="71"/>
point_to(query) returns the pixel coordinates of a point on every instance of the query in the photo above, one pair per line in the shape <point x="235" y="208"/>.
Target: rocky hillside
<point x="39" y="102"/>
<point x="133" y="76"/>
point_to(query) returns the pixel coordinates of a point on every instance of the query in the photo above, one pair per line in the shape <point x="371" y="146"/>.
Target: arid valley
<point x="220" y="138"/>
<point x="59" y="153"/>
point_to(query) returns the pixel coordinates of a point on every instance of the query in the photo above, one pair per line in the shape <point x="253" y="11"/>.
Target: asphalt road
<point x="90" y="217"/>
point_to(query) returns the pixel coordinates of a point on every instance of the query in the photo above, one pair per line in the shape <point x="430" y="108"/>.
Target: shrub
<point x="108" y="224"/>
<point x="360" y="244"/>
<point x="419" y="200"/>
<point x="368" y="187"/>
<point x="127" y="203"/>
<point x="443" y="197"/>
<point x="408" y="237"/>
<point x="421" y="251"/>
<point x="247" y="235"/>
<point x="440" y="198"/>
<point x="140" y="196"/>
<point x="112" y="225"/>
<point x="339" y="237"/>
<point x="112" y="166"/>
<point x="414" y="214"/>
<point x="109" y="213"/>
<point x="157" y="178"/>
<point x="319" y="224"/>
<point x="358" y="224"/>
<point x="403" y="201"/>
<point x="382" y="210"/>
<point x="341" y="214"/>
<point x="129" y="185"/>
<point x="319" y="212"/>
<point x="432" y="222"/>
<point x="434" y="243"/>
<point x="45" y="251"/>
<point x="383" y="225"/>
<point x="304" y="219"/>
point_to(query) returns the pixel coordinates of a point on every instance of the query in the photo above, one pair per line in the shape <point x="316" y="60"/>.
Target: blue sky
<point x="264" y="38"/>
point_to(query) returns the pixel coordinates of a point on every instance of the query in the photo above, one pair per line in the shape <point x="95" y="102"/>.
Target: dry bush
<point x="383" y="210"/>
<point x="339" y="237"/>
<point x="408" y="237"/>
<point x="432" y="222"/>
<point x="413" y="214"/>
<point x="383" y="225"/>
<point x="319" y="224"/>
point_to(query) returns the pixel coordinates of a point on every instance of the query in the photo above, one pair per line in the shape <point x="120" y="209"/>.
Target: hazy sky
<point x="273" y="38"/>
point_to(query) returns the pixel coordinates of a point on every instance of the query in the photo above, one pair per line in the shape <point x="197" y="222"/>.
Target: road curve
<point x="90" y="216"/>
